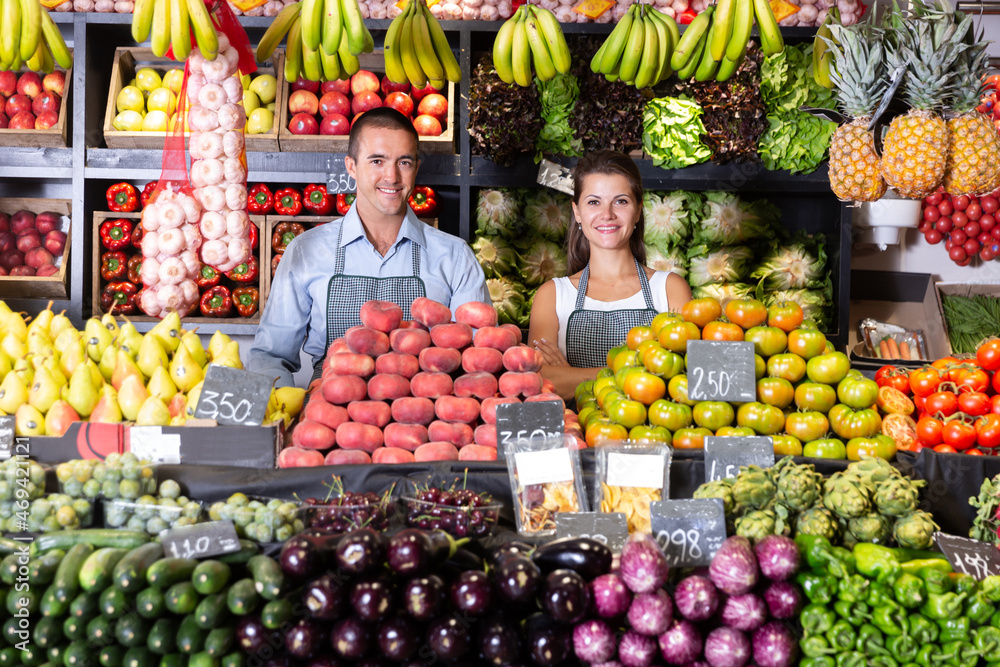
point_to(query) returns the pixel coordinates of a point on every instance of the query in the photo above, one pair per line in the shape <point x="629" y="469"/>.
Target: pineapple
<point x="859" y="77"/>
<point x="973" y="143"/>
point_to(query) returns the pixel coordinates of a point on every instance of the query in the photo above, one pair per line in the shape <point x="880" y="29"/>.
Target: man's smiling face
<point x="385" y="170"/>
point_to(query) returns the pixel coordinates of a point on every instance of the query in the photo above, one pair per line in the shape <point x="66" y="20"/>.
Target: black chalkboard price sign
<point x="557" y="177"/>
<point x="541" y="419"/>
<point x="202" y="540"/>
<point x="234" y="397"/>
<point x="972" y="557"/>
<point x="338" y="181"/>
<point x="6" y="437"/>
<point x="721" y="371"/>
<point x="725" y="455"/>
<point x="608" y="528"/>
<point x="689" y="531"/>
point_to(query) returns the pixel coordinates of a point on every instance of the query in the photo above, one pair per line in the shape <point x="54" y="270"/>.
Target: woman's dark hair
<point x="611" y="163"/>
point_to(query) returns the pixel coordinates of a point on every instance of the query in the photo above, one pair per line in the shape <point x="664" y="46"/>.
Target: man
<point x="380" y="250"/>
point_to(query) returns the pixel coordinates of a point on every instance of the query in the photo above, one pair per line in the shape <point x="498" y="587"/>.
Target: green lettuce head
<point x="723" y="292"/>
<point x="729" y="221"/>
<point x="495" y="256"/>
<point x="670" y="260"/>
<point x="797" y="265"/>
<point x="729" y="264"/>
<point x="543" y="261"/>
<point x="547" y="214"/>
<point x="498" y="213"/>
<point x="668" y="217"/>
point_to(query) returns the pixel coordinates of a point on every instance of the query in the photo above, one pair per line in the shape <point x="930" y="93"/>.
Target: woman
<point x="577" y="319"/>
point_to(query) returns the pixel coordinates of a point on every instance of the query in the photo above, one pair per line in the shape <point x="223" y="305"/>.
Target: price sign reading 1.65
<point x="721" y="371"/>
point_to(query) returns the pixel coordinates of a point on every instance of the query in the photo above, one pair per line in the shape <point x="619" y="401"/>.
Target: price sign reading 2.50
<point x="712" y="382"/>
<point x="721" y="371"/>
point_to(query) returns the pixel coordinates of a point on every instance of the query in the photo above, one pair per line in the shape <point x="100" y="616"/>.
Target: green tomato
<point x="857" y="394"/>
<point x="815" y="396"/>
<point x="849" y="423"/>
<point x="807" y="343"/>
<point x="825" y="448"/>
<point x="828" y="368"/>
<point x="807" y="426"/>
<point x="670" y="415"/>
<point x="763" y="419"/>
<point x="767" y="341"/>
<point x="713" y="415"/>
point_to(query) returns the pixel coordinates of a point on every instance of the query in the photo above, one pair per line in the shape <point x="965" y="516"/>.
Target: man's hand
<point x="552" y="355"/>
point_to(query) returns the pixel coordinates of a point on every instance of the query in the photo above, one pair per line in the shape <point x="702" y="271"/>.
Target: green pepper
<point x="882" y="661"/>
<point x="909" y="591"/>
<point x="954" y="630"/>
<point x="963" y="653"/>
<point x="851" y="659"/>
<point x="814" y="646"/>
<point x="980" y="609"/>
<point x="991" y="587"/>
<point x="937" y="562"/>
<point x="903" y="648"/>
<point x="853" y="588"/>
<point x="854" y="613"/>
<point x="924" y="631"/>
<point x="931" y="656"/>
<point x="821" y="661"/>
<point x="880" y="594"/>
<point x="891" y="619"/>
<point x="842" y="636"/>
<point x="935" y="580"/>
<point x="875" y="561"/>
<point x="987" y="642"/>
<point x="964" y="583"/>
<point x="870" y="641"/>
<point x="820" y="555"/>
<point x="943" y="606"/>
<point x="995" y="620"/>
<point x="819" y="588"/>
<point x="817" y="619"/>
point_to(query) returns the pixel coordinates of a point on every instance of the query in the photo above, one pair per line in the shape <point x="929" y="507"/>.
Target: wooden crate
<point x="32" y="287"/>
<point x="98" y="284"/>
<point x="313" y="143"/>
<point x="128" y="60"/>
<point x="54" y="137"/>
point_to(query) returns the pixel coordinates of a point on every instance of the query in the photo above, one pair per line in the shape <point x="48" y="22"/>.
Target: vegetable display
<point x="490" y="102"/>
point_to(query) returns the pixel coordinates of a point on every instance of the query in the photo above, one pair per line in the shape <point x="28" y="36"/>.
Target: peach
<point x="514" y="329"/>
<point x="431" y="385"/>
<point x="409" y="341"/>
<point x="489" y="410"/>
<point x="455" y="335"/>
<point x="436" y="451"/>
<point x="523" y="359"/>
<point x="342" y="389"/>
<point x="355" y="435"/>
<point x="477" y="453"/>
<point x="388" y="387"/>
<point x="363" y="340"/>
<point x="405" y="436"/>
<point x="476" y="314"/>
<point x="413" y="410"/>
<point x="456" y="434"/>
<point x="479" y="385"/>
<point x="392" y="455"/>
<point x="486" y="435"/>
<point x="382" y="316"/>
<point x="570" y="417"/>
<point x="398" y="364"/>
<point x="575" y="441"/>
<point x="482" y="359"/>
<point x="497" y="338"/>
<point x="349" y="363"/>
<point x="547" y="386"/>
<point x="313" y="435"/>
<point x="340" y="457"/>
<point x="319" y="410"/>
<point x="525" y="384"/>
<point x="406" y="324"/>
<point x="546" y="396"/>
<point x="456" y="409"/>
<point x="297" y="457"/>
<point x="439" y="359"/>
<point x="337" y="346"/>
<point x="376" y="413"/>
<point x="429" y="312"/>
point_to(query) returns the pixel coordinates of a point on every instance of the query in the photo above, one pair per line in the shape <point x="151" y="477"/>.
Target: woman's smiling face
<point x="607" y="210"/>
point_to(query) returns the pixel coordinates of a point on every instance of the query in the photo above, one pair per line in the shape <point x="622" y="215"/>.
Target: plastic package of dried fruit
<point x="631" y="475"/>
<point x="545" y="479"/>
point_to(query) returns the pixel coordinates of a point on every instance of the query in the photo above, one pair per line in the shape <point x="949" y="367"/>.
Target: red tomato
<point x="897" y="378"/>
<point x="924" y="381"/>
<point x="988" y="431"/>
<point x="959" y="434"/>
<point x="975" y="379"/>
<point x="943" y="403"/>
<point x="988" y="355"/>
<point x="929" y="431"/>
<point x="974" y="452"/>
<point x="945" y="449"/>
<point x="974" y="403"/>
<point x="995" y="405"/>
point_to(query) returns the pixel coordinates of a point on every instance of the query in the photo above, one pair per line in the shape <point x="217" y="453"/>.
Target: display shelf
<point x="36" y="162"/>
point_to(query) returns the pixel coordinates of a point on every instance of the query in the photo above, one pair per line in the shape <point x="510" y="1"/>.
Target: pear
<point x="272" y="402"/>
<point x="217" y="344"/>
<point x="52" y="366"/>
<point x="13" y="393"/>
<point x="44" y="390"/>
<point x="39" y="342"/>
<point x="129" y="339"/>
<point x="5" y="363"/>
<point x="42" y="320"/>
<point x="4" y="311"/>
<point x="81" y="392"/>
<point x="124" y="367"/>
<point x="95" y="373"/>
<point x="192" y="342"/>
<point x="108" y="320"/>
<point x="131" y="395"/>
<point x="29" y="421"/>
<point x="65" y="338"/>
<point x="179" y="420"/>
<point x="161" y="386"/>
<point x="168" y="331"/>
<point x="153" y="413"/>
<point x="98" y="338"/>
<point x="13" y="346"/>
<point x="151" y="355"/>
<point x="107" y="410"/>
<point x="59" y="324"/>
<point x="59" y="417"/>
<point x="74" y="355"/>
<point x="193" y="396"/>
<point x="290" y="399"/>
<point x="230" y="356"/>
<point x="24" y="370"/>
<point x="279" y="416"/>
<point x="14" y="323"/>
<point x="108" y="361"/>
<point x="177" y="405"/>
<point x="184" y="370"/>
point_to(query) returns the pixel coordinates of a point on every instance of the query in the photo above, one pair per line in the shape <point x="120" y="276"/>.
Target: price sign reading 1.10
<point x="721" y="371"/>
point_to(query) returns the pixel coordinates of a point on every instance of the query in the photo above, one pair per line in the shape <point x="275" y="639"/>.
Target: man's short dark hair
<point x="385" y="118"/>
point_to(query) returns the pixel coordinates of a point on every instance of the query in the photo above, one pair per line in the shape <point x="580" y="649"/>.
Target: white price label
<point x="544" y="467"/>
<point x="151" y="443"/>
<point x="644" y="471"/>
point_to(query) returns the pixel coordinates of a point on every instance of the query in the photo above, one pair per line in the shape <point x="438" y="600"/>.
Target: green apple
<point x="250" y="101"/>
<point x="174" y="79"/>
<point x="130" y="99"/>
<point x="266" y="87"/>
<point x="155" y="121"/>
<point x="128" y="121"/>
<point x="260" y="121"/>
<point x="147" y="79"/>
<point x="161" y="99"/>
<point x="245" y="81"/>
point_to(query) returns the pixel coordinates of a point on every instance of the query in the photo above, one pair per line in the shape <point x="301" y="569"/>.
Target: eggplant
<point x="549" y="643"/>
<point x="513" y="548"/>
<point x="464" y="560"/>
<point x="252" y="636"/>
<point x="305" y="638"/>
<point x="277" y="661"/>
<point x="565" y="596"/>
<point x="325" y="660"/>
<point x="517" y="579"/>
<point x="472" y="593"/>
<point x="414" y="551"/>
<point x="449" y="638"/>
<point x="324" y="598"/>
<point x="499" y="640"/>
<point x="589" y="558"/>
<point x="398" y="638"/>
<point x="351" y="638"/>
<point x="300" y="558"/>
<point x="361" y="551"/>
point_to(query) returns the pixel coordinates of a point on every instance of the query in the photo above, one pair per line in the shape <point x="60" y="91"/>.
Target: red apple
<point x="11" y="258"/>
<point x="334" y="102"/>
<point x="22" y="271"/>
<point x="55" y="242"/>
<point x="55" y="82"/>
<point x="22" y="221"/>
<point x="47" y="270"/>
<point x="4" y="222"/>
<point x="435" y="105"/>
<point x="365" y="101"/>
<point x="46" y="119"/>
<point x="29" y="84"/>
<point x="47" y="101"/>
<point x="3" y="271"/>
<point x="401" y="102"/>
<point x="8" y="83"/>
<point x="335" y="123"/>
<point x="342" y="86"/>
<point x="390" y="87"/>
<point x="305" y="84"/>
<point x="421" y="93"/>
<point x="38" y="257"/>
<point x="303" y="101"/>
<point x="303" y="123"/>
<point x="47" y="221"/>
<point x="22" y="121"/>
<point x="427" y="126"/>
<point x="4" y="121"/>
<point x="28" y="240"/>
<point x="364" y="81"/>
<point x="16" y="104"/>
<point x="7" y="241"/>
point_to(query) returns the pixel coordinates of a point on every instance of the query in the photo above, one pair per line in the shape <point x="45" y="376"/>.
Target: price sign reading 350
<point x="223" y="408"/>
<point x="234" y="397"/>
<point x="340" y="183"/>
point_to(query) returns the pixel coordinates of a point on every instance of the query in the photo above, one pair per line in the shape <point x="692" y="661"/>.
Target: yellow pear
<point x="44" y="391"/>
<point x="74" y="355"/>
<point x="5" y="364"/>
<point x="65" y="338"/>
<point x="42" y="320"/>
<point x="161" y="386"/>
<point x="179" y="420"/>
<point x="29" y="421"/>
<point x="59" y="417"/>
<point x="98" y="338"/>
<point x="13" y="393"/>
<point x="193" y="396"/>
<point x="124" y="367"/>
<point x="81" y="392"/>
<point x="107" y="410"/>
<point x="151" y="355"/>
<point x="24" y="370"/>
<point x="13" y="346"/>
<point x="177" y="405"/>
<point x="129" y="339"/>
<point x="39" y="342"/>
<point x="217" y="344"/>
<point x="153" y="413"/>
<point x="184" y="370"/>
<point x="108" y="361"/>
<point x="59" y="324"/>
<point x="14" y="323"/>
<point x="290" y="399"/>
<point x="230" y="356"/>
<point x="192" y="342"/>
<point x="4" y="311"/>
<point x="52" y="366"/>
<point x="168" y="330"/>
<point x="95" y="374"/>
<point x="108" y="320"/>
<point x="131" y="395"/>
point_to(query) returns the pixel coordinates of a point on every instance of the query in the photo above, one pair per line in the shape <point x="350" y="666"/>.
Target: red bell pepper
<point x="288" y="201"/>
<point x="423" y="201"/>
<point x="116" y="234"/>
<point x="246" y="299"/>
<point x="246" y="272"/>
<point x="207" y="277"/>
<point x="274" y="263"/>
<point x="114" y="266"/>
<point x="136" y="238"/>
<point x="120" y="298"/>
<point x="254" y="236"/>
<point x="122" y="198"/>
<point x="344" y="202"/>
<point x="687" y="16"/>
<point x="217" y="302"/>
<point x="284" y="233"/>
<point x="317" y="201"/>
<point x="147" y="193"/>
<point x="260" y="200"/>
<point x="135" y="269"/>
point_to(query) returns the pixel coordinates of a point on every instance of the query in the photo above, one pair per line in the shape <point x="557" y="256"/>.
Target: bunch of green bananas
<point x="417" y="50"/>
<point x="28" y="36"/>
<point x="822" y="55"/>
<point x="714" y="45"/>
<point x="638" y="50"/>
<point x="169" y="24"/>
<point x="531" y="36"/>
<point x="325" y="38"/>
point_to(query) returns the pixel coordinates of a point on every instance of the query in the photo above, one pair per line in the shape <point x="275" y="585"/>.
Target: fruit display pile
<point x="30" y="101"/>
<point x="965" y="224"/>
<point x="420" y="390"/>
<point x="869" y="502"/>
<point x="31" y="244"/>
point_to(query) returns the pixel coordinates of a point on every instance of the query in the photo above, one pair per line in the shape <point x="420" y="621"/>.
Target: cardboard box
<point x="82" y="440"/>
<point x="34" y="287"/>
<point x="239" y="446"/>
<point x="961" y="289"/>
<point x="55" y="136"/>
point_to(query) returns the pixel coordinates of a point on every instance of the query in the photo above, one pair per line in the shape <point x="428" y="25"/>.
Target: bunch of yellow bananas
<point x="325" y="38"/>
<point x="532" y="36"/>
<point x="169" y="24"/>
<point x="714" y="45"/>
<point x="822" y="55"/>
<point x="28" y="36"/>
<point x="638" y="50"/>
<point x="417" y="50"/>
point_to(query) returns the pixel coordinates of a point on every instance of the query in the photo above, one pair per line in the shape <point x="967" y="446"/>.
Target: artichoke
<point x="753" y="487"/>
<point x="873" y="471"/>
<point x="871" y="527"/>
<point x="721" y="489"/>
<point x="846" y="497"/>
<point x="798" y="486"/>
<point x="818" y="522"/>
<point x="915" y="530"/>
<point x="896" y="497"/>
<point x="756" y="525"/>
<point x="496" y="257"/>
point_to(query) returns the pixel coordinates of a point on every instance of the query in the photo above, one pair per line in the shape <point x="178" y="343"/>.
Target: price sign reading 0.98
<point x="689" y="531"/>
<point x="234" y="397"/>
<point x="721" y="371"/>
<point x="202" y="540"/>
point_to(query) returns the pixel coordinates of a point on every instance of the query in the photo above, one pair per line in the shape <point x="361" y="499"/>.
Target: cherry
<point x="959" y="218"/>
<point x="933" y="237"/>
<point x="974" y="211"/>
<point x="932" y="213"/>
<point x="961" y="203"/>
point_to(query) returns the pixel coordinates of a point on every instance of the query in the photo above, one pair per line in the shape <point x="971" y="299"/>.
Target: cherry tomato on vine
<point x="945" y="449"/>
<point x="944" y="403"/>
<point x="974" y="452"/>
<point x="974" y="403"/>
<point x="959" y="434"/>
<point x="897" y="378"/>
<point x="988" y="431"/>
<point x="929" y="431"/>
<point x="975" y="379"/>
<point x="924" y="381"/>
